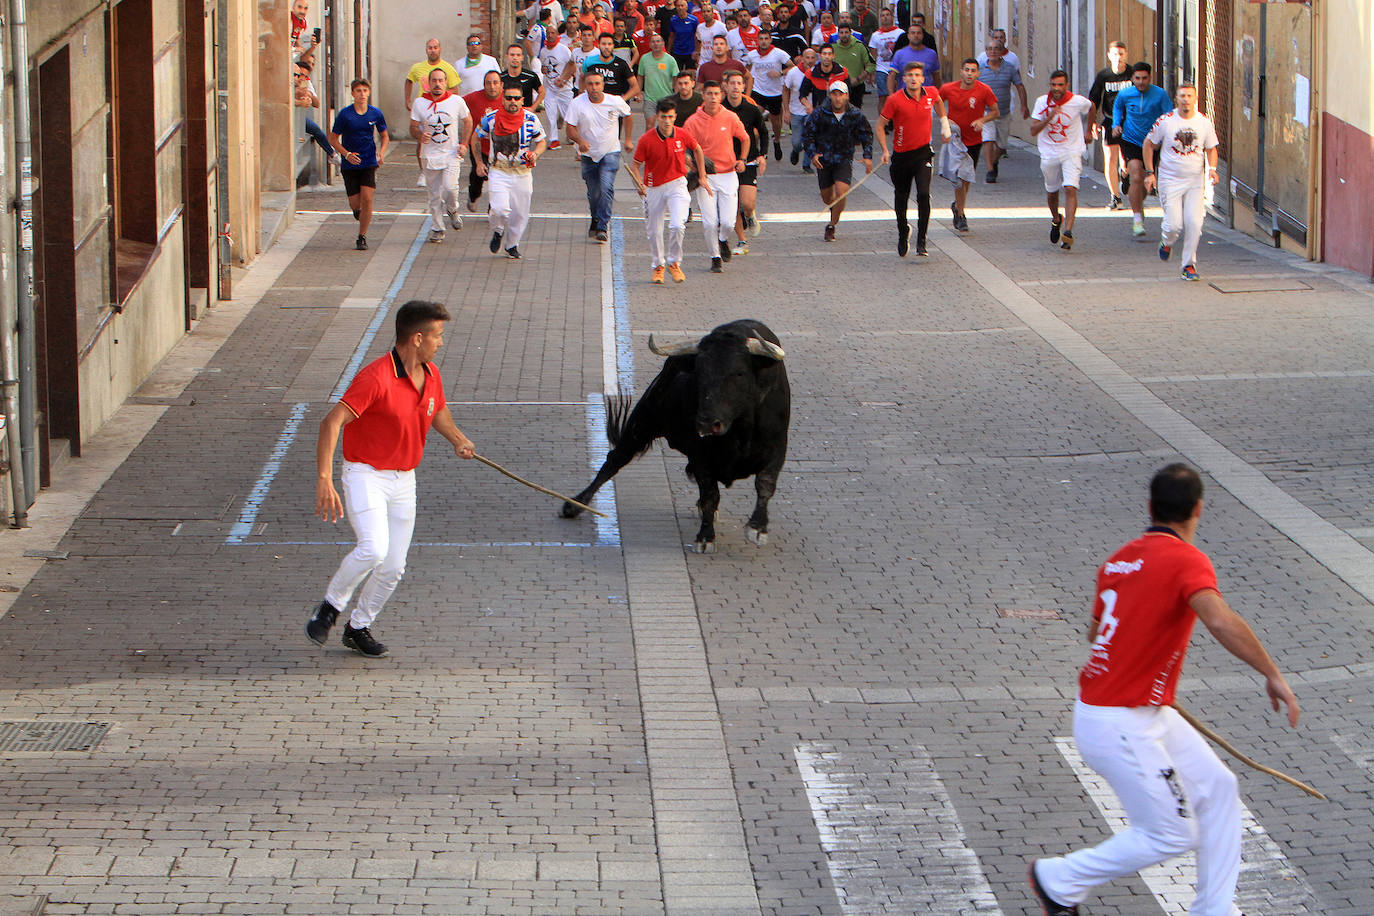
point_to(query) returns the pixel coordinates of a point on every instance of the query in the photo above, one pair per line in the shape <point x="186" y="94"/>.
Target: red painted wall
<point x="1347" y="189"/>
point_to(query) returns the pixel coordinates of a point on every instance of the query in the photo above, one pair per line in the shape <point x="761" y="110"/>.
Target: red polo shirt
<point x="910" y="118"/>
<point x="391" y="417"/>
<point x="663" y="156"/>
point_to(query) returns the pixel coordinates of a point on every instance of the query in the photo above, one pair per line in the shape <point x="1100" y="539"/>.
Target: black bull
<point x="722" y="401"/>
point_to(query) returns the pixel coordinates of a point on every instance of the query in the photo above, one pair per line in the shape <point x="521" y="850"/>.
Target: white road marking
<point x="1356" y="750"/>
<point x="892" y="838"/>
<point x="1268" y="883"/>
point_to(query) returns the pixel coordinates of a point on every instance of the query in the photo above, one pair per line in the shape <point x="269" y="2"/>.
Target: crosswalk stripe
<point x="1268" y="882"/>
<point x="892" y="838"/>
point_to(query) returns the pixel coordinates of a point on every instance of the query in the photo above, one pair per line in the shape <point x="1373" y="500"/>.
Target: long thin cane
<point x="1228" y="748"/>
<point x="852" y="188"/>
<point x="534" y="486"/>
<point x="629" y="168"/>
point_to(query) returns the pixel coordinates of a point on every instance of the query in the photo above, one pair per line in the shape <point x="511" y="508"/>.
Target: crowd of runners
<point x="737" y="84"/>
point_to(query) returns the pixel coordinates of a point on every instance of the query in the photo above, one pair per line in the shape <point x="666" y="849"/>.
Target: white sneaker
<point x="455" y="220"/>
<point x="1138" y="227"/>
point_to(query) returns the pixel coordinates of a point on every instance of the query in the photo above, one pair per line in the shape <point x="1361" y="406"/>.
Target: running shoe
<point x="436" y="235"/>
<point x="1138" y="227"/>
<point x="1054" y="229"/>
<point x="777" y="151"/>
<point x="829" y="233"/>
<point x="317" y="628"/>
<point x="420" y="180"/>
<point x="360" y="640"/>
<point x="591" y="230"/>
<point x="1047" y="903"/>
<point x="741" y="247"/>
<point x="513" y="253"/>
<point x="796" y="155"/>
<point x="1066" y="241"/>
<point x="715" y="266"/>
<point x="962" y="224"/>
<point x="921" y="250"/>
<point x="555" y="145"/>
<point x="903" y="240"/>
<point x="601" y="236"/>
<point x="1164" y="251"/>
<point x="454" y="220"/>
<point x="725" y="251"/>
<point x="1114" y="203"/>
<point x="472" y="206"/>
<point x="495" y="243"/>
<point x="991" y="176"/>
<point x="361" y="243"/>
<point x="751" y="224"/>
<point x="658" y="275"/>
<point x="1189" y="272"/>
<point x="675" y="271"/>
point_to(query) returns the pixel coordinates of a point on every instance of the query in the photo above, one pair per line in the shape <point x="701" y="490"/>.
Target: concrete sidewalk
<point x="581" y="717"/>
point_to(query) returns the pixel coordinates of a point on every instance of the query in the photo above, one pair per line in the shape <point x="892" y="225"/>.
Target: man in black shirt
<point x="927" y="39"/>
<point x="1110" y="80"/>
<point x="686" y="98"/>
<point x="755" y="158"/>
<point x="619" y="80"/>
<point x="515" y="76"/>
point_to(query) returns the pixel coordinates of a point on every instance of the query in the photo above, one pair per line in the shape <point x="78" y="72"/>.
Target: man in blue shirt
<point x="352" y="138"/>
<point x="915" y="50"/>
<point x="1137" y="108"/>
<point x="682" y="29"/>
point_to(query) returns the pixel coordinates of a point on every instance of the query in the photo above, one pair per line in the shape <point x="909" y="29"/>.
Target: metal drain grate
<point x="20" y="737"/>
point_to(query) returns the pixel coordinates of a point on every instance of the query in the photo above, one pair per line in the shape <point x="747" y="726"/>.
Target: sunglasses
<point x="515" y="98"/>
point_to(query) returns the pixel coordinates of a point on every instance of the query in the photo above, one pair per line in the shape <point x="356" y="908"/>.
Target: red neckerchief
<point x="507" y="123"/>
<point x="435" y="102"/>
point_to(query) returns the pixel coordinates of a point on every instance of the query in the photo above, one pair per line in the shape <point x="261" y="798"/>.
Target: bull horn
<point x="682" y="348"/>
<point x="760" y="347"/>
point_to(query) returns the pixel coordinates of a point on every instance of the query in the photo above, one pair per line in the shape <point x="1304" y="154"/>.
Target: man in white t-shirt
<point x="439" y="122"/>
<point x="1187" y="144"/>
<point x="883" y="45"/>
<point x="560" y="76"/>
<point x="1057" y="126"/>
<point x="710" y="27"/>
<point x="594" y="125"/>
<point x="473" y="68"/>
<point x="798" y="101"/>
<point x="768" y="65"/>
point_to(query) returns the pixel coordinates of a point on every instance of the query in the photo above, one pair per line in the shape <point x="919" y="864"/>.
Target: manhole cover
<point x="1029" y="613"/>
<point x="16" y="737"/>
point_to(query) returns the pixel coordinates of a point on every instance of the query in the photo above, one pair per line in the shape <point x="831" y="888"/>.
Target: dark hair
<point x="1174" y="493"/>
<point x="970" y="60"/>
<point x="305" y="65"/>
<point x="665" y="104"/>
<point x="1117" y="44"/>
<point x="358" y="82"/>
<point x="711" y="84"/>
<point x="913" y="65"/>
<point x="415" y="315"/>
<point x="1058" y="73"/>
<point x="1140" y="66"/>
<point x="517" y="46"/>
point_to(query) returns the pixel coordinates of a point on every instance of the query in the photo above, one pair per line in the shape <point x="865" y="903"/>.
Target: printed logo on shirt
<point x="431" y="408"/>
<point x="1121" y="567"/>
<point x="1185" y="142"/>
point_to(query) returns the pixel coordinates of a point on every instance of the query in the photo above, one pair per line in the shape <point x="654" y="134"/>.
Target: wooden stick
<point x="1226" y="746"/>
<point x="852" y="188"/>
<point x="629" y="167"/>
<point x="534" y="486"/>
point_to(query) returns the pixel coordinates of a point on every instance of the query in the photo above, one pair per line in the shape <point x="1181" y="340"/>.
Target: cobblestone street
<point x="868" y="715"/>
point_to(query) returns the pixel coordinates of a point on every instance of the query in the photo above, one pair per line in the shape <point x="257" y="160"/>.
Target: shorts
<point x="749" y="178"/>
<point x="973" y="150"/>
<point x="1061" y="171"/>
<point x="650" y="110"/>
<point x="1107" y="138"/>
<point x="829" y="175"/>
<point x="999" y="131"/>
<point x="769" y="103"/>
<point x="1130" y="151"/>
<point x="356" y="179"/>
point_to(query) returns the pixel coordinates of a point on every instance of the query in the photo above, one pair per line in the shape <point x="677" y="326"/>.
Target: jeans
<point x="600" y="179"/>
<point x="318" y="135"/>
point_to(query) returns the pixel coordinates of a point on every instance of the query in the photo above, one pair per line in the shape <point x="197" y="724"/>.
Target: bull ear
<point x="681" y="348"/>
<point x="761" y="347"/>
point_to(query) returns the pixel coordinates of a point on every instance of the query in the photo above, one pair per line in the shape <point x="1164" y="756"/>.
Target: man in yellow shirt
<point x="419" y="74"/>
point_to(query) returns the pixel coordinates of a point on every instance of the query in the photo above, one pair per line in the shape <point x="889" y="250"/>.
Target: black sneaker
<point x="601" y="236"/>
<point x="795" y="157"/>
<point x="361" y="243"/>
<point x="991" y="177"/>
<point x="921" y="249"/>
<point x="1054" y="229"/>
<point x="715" y="266"/>
<point x="317" y="628"/>
<point x="495" y="244"/>
<point x="513" y="253"/>
<point x="591" y="230"/>
<point x="725" y="251"/>
<point x="777" y="151"/>
<point x="1050" y="906"/>
<point x="361" y="641"/>
<point x="903" y="240"/>
<point x="962" y="224"/>
<point x="829" y="233"/>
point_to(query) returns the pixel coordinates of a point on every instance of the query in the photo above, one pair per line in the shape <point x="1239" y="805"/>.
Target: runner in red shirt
<point x="1179" y="796"/>
<point x="384" y="416"/>
<point x="909" y="113"/>
<point x="661" y="153"/>
<point x="970" y="103"/>
<point x="479" y="103"/>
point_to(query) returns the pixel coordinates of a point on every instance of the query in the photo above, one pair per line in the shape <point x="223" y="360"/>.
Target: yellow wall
<point x="1349" y="66"/>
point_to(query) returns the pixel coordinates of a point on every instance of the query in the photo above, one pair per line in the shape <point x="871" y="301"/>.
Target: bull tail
<point x="628" y="428"/>
<point x="617" y="415"/>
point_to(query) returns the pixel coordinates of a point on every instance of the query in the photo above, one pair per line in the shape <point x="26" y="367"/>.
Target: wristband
<point x="1149" y="171"/>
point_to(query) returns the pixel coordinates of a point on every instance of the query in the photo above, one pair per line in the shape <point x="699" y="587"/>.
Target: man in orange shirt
<point x="716" y="129"/>
<point x="384" y="415"/>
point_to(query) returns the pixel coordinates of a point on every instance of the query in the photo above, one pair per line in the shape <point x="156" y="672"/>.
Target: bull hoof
<point x="755" y="536"/>
<point x="569" y="511"/>
<point x="706" y="546"/>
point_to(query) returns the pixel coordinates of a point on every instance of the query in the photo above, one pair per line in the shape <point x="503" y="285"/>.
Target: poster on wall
<point x="1247" y="76"/>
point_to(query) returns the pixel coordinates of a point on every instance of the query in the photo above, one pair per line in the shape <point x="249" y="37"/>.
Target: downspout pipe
<point x="23" y="212"/>
<point x="9" y="367"/>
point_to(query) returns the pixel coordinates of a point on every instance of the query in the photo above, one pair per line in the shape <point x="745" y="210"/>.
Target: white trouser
<point x="1185" y="206"/>
<point x="509" y="196"/>
<point x="556" y="105"/>
<point x="673" y="200"/>
<point x="380" y="506"/>
<point x="1178" y="797"/>
<point x="718" y="213"/>
<point x="442" y="187"/>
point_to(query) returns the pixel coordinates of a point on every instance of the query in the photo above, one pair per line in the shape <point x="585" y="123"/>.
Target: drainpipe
<point x="9" y="369"/>
<point x="23" y="211"/>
